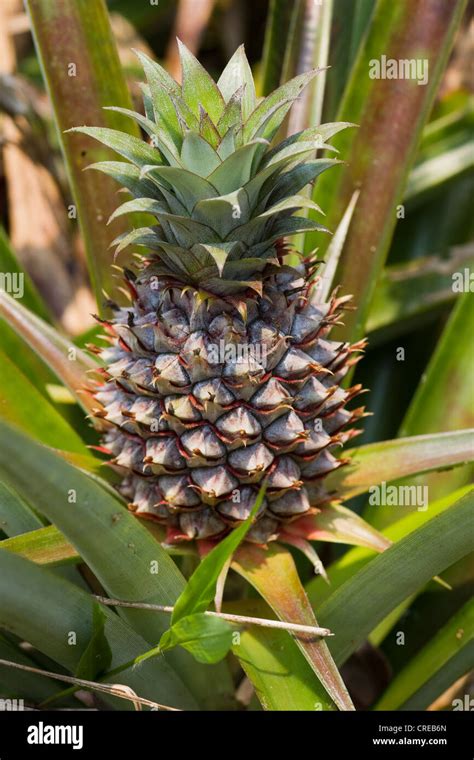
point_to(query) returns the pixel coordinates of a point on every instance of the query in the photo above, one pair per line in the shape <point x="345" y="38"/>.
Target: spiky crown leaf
<point x="221" y="194"/>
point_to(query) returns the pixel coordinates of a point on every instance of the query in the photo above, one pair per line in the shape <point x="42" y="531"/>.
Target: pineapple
<point x="221" y="373"/>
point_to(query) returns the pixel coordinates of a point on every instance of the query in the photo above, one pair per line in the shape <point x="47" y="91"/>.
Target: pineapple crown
<point x="222" y="194"/>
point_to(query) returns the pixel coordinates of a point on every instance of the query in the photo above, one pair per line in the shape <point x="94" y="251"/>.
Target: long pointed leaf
<point x="450" y="374"/>
<point x="272" y="660"/>
<point x="273" y="573"/>
<point x="334" y="251"/>
<point x="43" y="545"/>
<point x="339" y="525"/>
<point x="391" y="460"/>
<point x="357" y="607"/>
<point x="415" y="291"/>
<point x="277" y="29"/>
<point x="49" y="627"/>
<point x="281" y="675"/>
<point x="346" y="566"/>
<point x="22" y="405"/>
<point x="447" y="656"/>
<point x="16" y="517"/>
<point x="18" y="684"/>
<point x="124" y="556"/>
<point x="67" y="361"/>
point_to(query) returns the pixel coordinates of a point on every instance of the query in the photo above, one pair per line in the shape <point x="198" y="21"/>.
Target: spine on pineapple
<point x="221" y="373"/>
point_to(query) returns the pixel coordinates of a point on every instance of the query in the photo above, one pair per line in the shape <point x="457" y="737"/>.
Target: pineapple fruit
<point x="221" y="372"/>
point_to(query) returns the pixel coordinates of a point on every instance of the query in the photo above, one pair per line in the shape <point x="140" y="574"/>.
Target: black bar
<point x="322" y="735"/>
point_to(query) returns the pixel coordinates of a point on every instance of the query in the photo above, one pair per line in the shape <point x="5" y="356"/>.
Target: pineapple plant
<point x="216" y="392"/>
<point x="222" y="372"/>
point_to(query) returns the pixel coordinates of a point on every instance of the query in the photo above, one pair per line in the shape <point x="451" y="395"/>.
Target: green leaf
<point x="429" y="175"/>
<point x="198" y="86"/>
<point x="346" y="566"/>
<point x="209" y="131"/>
<point x="389" y="460"/>
<point x="97" y="656"/>
<point x="22" y="405"/>
<point x="162" y="86"/>
<point x="142" y="205"/>
<point x="16" y="517"/>
<point x="361" y="603"/>
<point x="450" y="371"/>
<point x="25" y="358"/>
<point x="282" y="677"/>
<point x="24" y="587"/>
<point x="435" y="604"/>
<point x="219" y="254"/>
<point x="273" y="574"/>
<point x="351" y="21"/>
<point x="450" y="374"/>
<point x="26" y="361"/>
<point x="293" y="225"/>
<point x="220" y="212"/>
<point x="352" y="561"/>
<point x="129" y="563"/>
<point x="333" y="253"/>
<point x="294" y="202"/>
<point x="160" y="138"/>
<point x="236" y="170"/>
<point x="129" y="176"/>
<point x="143" y="236"/>
<point x="253" y="232"/>
<point x="292" y="153"/>
<point x="207" y="638"/>
<point x="277" y="31"/>
<point x="340" y="525"/>
<point x="201" y="587"/>
<point x="79" y="33"/>
<point x="300" y="14"/>
<point x="316" y="136"/>
<point x="45" y="546"/>
<point x="20" y="684"/>
<point x="227" y="144"/>
<point x="417" y="290"/>
<point x="134" y="149"/>
<point x="188" y="186"/>
<point x="187" y="231"/>
<point x="295" y="179"/>
<point x="68" y="362"/>
<point x="198" y="156"/>
<point x="279" y="102"/>
<point x="238" y="73"/>
<point x="445" y="658"/>
<point x="231" y="117"/>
